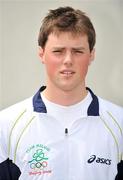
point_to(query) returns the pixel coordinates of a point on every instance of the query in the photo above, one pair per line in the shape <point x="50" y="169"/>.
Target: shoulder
<point x="111" y="111"/>
<point x="111" y="107"/>
<point x="12" y="112"/>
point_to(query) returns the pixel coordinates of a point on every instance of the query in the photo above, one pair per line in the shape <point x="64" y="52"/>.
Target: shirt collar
<point x="39" y="106"/>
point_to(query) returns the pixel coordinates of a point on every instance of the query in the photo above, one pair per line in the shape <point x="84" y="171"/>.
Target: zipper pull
<point x="66" y="131"/>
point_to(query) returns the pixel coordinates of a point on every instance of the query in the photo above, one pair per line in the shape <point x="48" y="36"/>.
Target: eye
<point x="58" y="51"/>
<point x="79" y="52"/>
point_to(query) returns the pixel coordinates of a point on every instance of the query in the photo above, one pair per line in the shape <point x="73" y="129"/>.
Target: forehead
<point x="67" y="38"/>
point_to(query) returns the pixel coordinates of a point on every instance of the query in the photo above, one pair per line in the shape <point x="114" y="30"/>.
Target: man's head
<point x="66" y="19"/>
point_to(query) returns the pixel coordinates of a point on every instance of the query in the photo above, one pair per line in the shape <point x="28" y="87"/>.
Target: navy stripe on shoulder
<point x="119" y="175"/>
<point x="9" y="170"/>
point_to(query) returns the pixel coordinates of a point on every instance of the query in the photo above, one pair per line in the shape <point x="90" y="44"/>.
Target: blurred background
<point x="21" y="72"/>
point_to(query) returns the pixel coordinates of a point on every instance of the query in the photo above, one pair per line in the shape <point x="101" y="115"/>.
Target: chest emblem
<point x="38" y="159"/>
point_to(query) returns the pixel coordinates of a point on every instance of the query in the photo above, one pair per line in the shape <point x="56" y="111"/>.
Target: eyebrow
<point x="78" y="48"/>
<point x="74" y="48"/>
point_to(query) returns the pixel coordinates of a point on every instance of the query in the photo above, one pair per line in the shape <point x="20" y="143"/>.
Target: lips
<point x="67" y="72"/>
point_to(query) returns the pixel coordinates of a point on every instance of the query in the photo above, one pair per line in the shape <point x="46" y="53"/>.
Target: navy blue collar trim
<point x="39" y="106"/>
<point x="93" y="109"/>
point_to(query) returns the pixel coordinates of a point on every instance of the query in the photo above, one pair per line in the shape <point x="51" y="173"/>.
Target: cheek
<point x="51" y="65"/>
<point x="83" y="65"/>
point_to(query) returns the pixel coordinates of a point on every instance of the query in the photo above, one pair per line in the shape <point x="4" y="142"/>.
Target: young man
<point x="65" y="132"/>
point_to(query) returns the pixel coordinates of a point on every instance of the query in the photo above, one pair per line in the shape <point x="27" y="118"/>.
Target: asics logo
<point x="101" y="160"/>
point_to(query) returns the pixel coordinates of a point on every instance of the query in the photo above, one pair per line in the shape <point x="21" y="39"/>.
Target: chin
<point x="68" y="88"/>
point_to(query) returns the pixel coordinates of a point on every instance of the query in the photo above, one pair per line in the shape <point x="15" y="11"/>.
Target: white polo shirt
<point x="42" y="148"/>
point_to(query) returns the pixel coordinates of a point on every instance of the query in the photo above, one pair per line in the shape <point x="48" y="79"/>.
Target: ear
<point x="92" y="56"/>
<point x="41" y="54"/>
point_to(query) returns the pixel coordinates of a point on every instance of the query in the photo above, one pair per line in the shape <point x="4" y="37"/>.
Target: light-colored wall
<point x="21" y="72"/>
<point x="0" y="58"/>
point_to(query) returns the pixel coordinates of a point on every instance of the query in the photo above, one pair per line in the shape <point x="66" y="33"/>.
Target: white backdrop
<point x="21" y="72"/>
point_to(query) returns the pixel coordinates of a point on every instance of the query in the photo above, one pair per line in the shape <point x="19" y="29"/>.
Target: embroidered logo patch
<point x="38" y="163"/>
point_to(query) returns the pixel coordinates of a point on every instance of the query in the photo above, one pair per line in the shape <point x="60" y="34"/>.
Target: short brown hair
<point x="66" y="19"/>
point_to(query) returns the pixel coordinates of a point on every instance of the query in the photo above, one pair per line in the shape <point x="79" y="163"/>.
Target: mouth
<point x="67" y="72"/>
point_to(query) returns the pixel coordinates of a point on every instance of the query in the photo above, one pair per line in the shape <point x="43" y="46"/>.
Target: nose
<point x="68" y="59"/>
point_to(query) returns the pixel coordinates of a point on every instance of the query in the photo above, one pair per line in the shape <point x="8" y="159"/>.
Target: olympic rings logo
<point x="39" y="165"/>
<point x="39" y="160"/>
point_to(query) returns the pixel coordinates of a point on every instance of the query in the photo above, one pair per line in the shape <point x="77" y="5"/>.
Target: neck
<point x="63" y="97"/>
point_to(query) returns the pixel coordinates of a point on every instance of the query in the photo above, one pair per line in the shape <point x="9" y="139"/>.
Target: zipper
<point x="67" y="153"/>
<point x="66" y="131"/>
